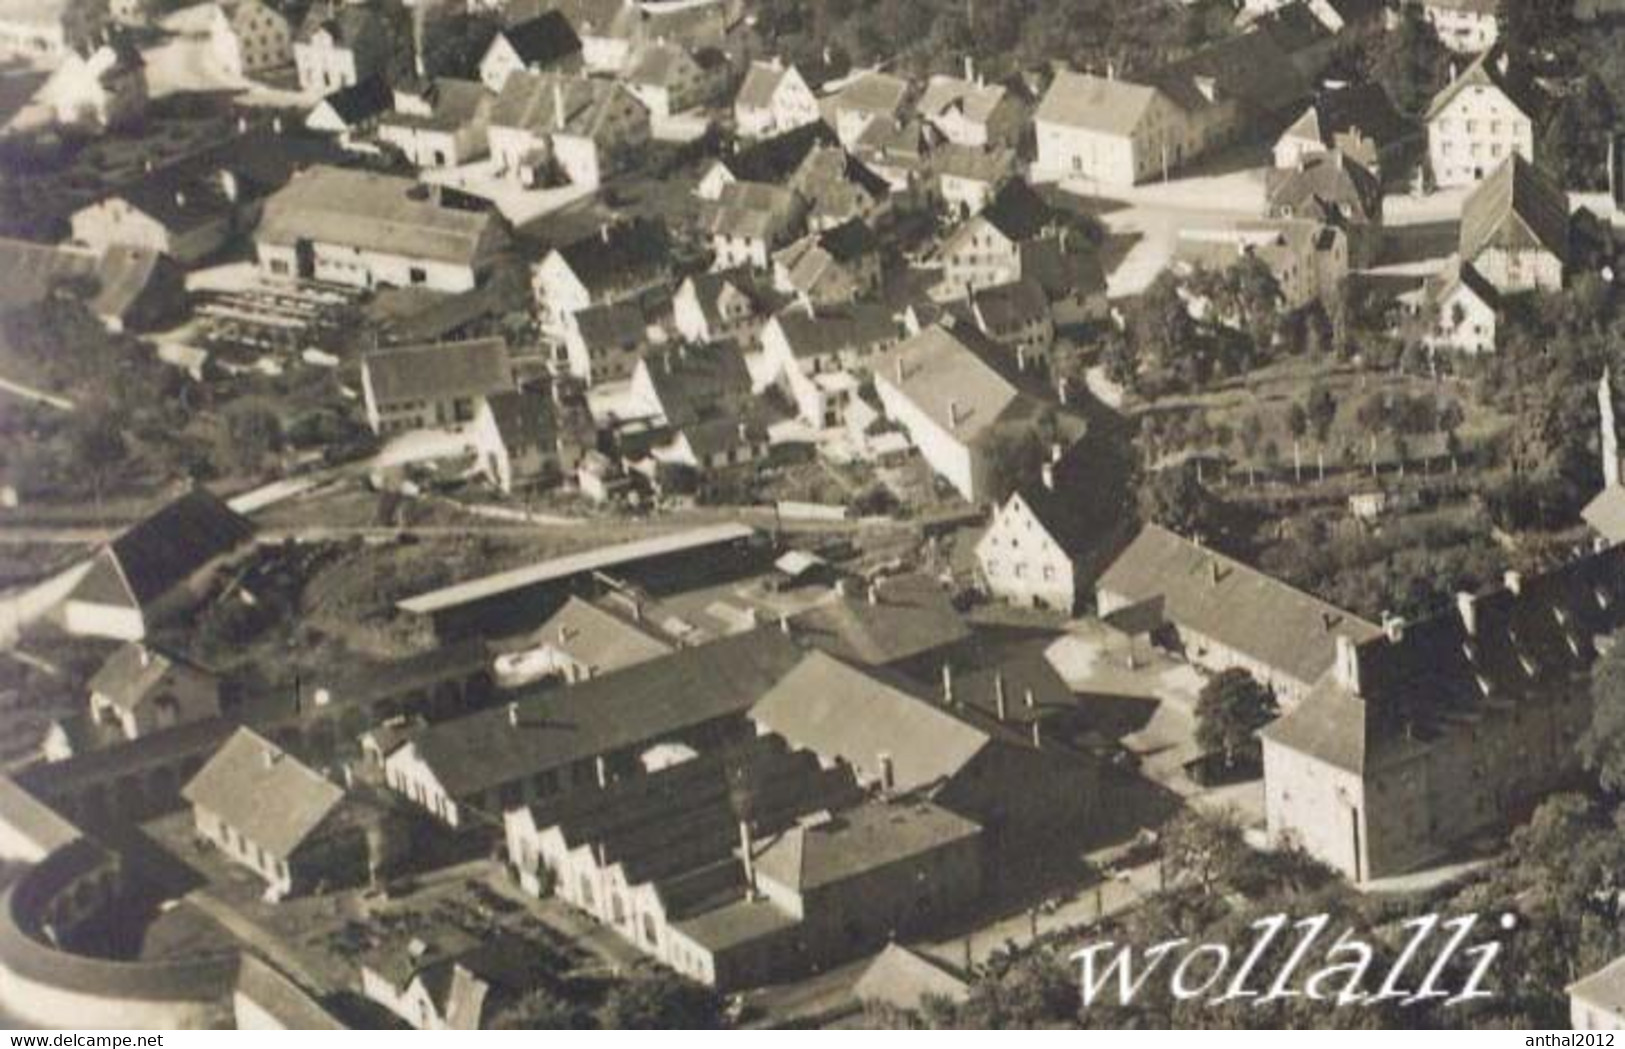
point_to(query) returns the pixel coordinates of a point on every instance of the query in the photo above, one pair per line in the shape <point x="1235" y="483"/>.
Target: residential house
<point x="516" y="439"/>
<point x="1462" y="308"/>
<point x="128" y="289"/>
<point x="835" y="265"/>
<point x="422" y="387"/>
<point x="443" y="124"/>
<point x="1308" y="260"/>
<point x="610" y="30"/>
<point x="711" y="444"/>
<point x="820" y="354"/>
<point x="898" y="149"/>
<point x="546" y="43"/>
<point x="339" y="45"/>
<point x="1358" y="120"/>
<point x="1439" y="731"/>
<point x="1467" y="26"/>
<point x="286" y="822"/>
<point x="547" y="127"/>
<point x="1515" y="228"/>
<point x="365" y="229"/>
<point x="971" y="112"/>
<point x="771" y="160"/>
<point x="584" y="639"/>
<point x="1222" y="614"/>
<point x="621" y="261"/>
<point x="604" y="343"/>
<point x="862" y="99"/>
<point x="351" y="114"/>
<point x="1016" y="316"/>
<point x="750" y="221"/>
<point x="554" y="742"/>
<point x="248" y="37"/>
<point x="692" y="383"/>
<point x="1046" y="542"/>
<point x="986" y="249"/>
<point x="838" y="187"/>
<point x="967" y="178"/>
<point x="671" y="79"/>
<point x="445" y="978"/>
<point x="961" y="403"/>
<point x="1332" y="190"/>
<point x="1300" y="34"/>
<point x="141" y="689"/>
<point x="773" y="99"/>
<point x="1483" y="116"/>
<point x="1597" y="999"/>
<point x="720" y="306"/>
<point x="100" y="88"/>
<point x="156" y="569"/>
<point x="906" y="624"/>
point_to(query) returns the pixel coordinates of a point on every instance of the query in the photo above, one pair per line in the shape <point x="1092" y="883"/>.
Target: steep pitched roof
<point x="550" y="103"/>
<point x="1516" y="206"/>
<point x="695" y="382"/>
<point x="599" y="637"/>
<point x="761" y="82"/>
<point x="619" y="255"/>
<point x="368" y="210"/>
<point x="162" y="551"/>
<point x="815" y="855"/>
<point x="1363" y="107"/>
<point x="775" y="159"/>
<point x="361" y="100"/>
<point x="133" y="671"/>
<point x="976" y="101"/>
<point x="1493" y="70"/>
<point x="264" y="793"/>
<point x="899" y="618"/>
<point x="350" y="25"/>
<point x="634" y="705"/>
<point x="904" y="979"/>
<point x="856" y="327"/>
<point x="1232" y="603"/>
<point x="875" y="93"/>
<point x="524" y="420"/>
<point x="543" y="40"/>
<point x="1095" y="103"/>
<point x="476" y="368"/>
<point x="839" y="711"/>
<point x="1330" y="187"/>
<point x="1250" y="68"/>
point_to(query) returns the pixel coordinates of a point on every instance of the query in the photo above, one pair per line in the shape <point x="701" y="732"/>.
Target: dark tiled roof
<point x="543" y="40"/>
<point x="1517" y="206"/>
<point x="812" y="856"/>
<point x="159" y="553"/>
<point x="476" y="368"/>
<point x="775" y="159"/>
<point x="1018" y="212"/>
<point x="857" y="327"/>
<point x="1365" y="108"/>
<point x="637" y="705"/>
<point x="133" y="671"/>
<point x="619" y="255"/>
<point x="1487" y="72"/>
<point x="264" y="793"/>
<point x="1293" y="28"/>
<point x="1249" y="68"/>
<point x="697" y="382"/>
<point x="362" y="100"/>
<point x="1331" y="188"/>
<point x="908" y="616"/>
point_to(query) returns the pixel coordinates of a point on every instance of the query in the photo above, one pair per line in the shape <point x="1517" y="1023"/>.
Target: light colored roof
<point x="1487" y="72"/>
<point x="839" y="711"/>
<point x="600" y="638"/>
<point x="1605" y="987"/>
<point x="976" y="101"/>
<point x="873" y="93"/>
<point x="949" y="376"/>
<point x="476" y="368"/>
<point x="1236" y="605"/>
<point x="132" y="672"/>
<point x="761" y="81"/>
<point x="904" y="979"/>
<point x="1516" y="206"/>
<point x="30" y="830"/>
<point x="1095" y="103"/>
<point x="1606" y="514"/>
<point x="575" y="564"/>
<point x="364" y="209"/>
<point x="534" y="102"/>
<point x="813" y="855"/>
<point x="264" y="793"/>
<point x="908" y="615"/>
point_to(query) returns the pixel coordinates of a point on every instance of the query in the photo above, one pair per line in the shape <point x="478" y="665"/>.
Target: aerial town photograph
<point x="812" y="514"/>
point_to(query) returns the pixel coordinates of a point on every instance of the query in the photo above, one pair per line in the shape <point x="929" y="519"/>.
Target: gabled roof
<point x="361" y="100"/>
<point x="1517" y="206"/>
<point x="836" y="183"/>
<point x="695" y="382"/>
<point x="1396" y="695"/>
<point x="543" y="40"/>
<point x="761" y="83"/>
<point x="665" y="65"/>
<point x="1096" y="103"/>
<point x="133" y="671"/>
<point x="709" y="287"/>
<point x="1330" y="187"/>
<point x="524" y="420"/>
<point x="1458" y="274"/>
<point x="876" y="93"/>
<point x="1002" y="307"/>
<point x="773" y="160"/>
<point x="814" y="855"/>
<point x="1606" y="514"/>
<point x="367" y="210"/>
<point x="620" y="255"/>
<point x="1493" y="70"/>
<point x="904" y="979"/>
<point x="476" y="368"/>
<point x="1192" y="586"/>
<point x="897" y="619"/>
<point x="1604" y="988"/>
<point x="162" y="551"/>
<point x="599" y="637"/>
<point x="1363" y="107"/>
<point x="952" y="160"/>
<point x="756" y="210"/>
<point x="841" y="712"/>
<point x="976" y="101"/>
<point x="264" y="793"/>
<point x="350" y="25"/>
<point x="856" y="327"/>
<point x="553" y="103"/>
<point x="1293" y="28"/>
<point x="1249" y="68"/>
<point x="636" y="705"/>
<point x="1018" y="212"/>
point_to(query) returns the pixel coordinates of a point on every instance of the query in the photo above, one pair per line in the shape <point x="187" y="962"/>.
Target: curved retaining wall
<point x="48" y="987"/>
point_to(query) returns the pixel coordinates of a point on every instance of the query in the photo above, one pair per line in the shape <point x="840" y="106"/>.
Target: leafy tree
<point x="1034" y="990"/>
<point x="1602" y="747"/>
<point x="1297" y="420"/>
<point x="654" y="998"/>
<point x="1573" y="145"/>
<point x="455" y="40"/>
<point x="1175" y="499"/>
<point x="1204" y="850"/>
<point x="1230" y="710"/>
<point x="1410" y="62"/>
<point x="255" y="432"/>
<point x="540" y="1009"/>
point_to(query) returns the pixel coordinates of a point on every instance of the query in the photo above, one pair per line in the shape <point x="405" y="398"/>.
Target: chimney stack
<point x="1028" y="700"/>
<point x="513" y="715"/>
<point x="1000" y="704"/>
<point x="1347" y="665"/>
<point x="948" y="684"/>
<point x="1038" y="734"/>
<point x="601" y="767"/>
<point x="748" y="858"/>
<point x="1467" y="606"/>
<point x="1047" y="472"/>
<point x="1394" y="627"/>
<point x="953" y="414"/>
<point x="888" y="772"/>
<point x="1514" y="582"/>
<point x="874" y="593"/>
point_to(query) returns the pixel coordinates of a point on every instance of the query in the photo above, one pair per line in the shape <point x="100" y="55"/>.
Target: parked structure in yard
<point x="422" y="387"/>
<point x="1487" y="114"/>
<point x="365" y="229"/>
<point x="157" y="568"/>
<point x="286" y="822"/>
<point x="1436" y="731"/>
<point x="1219" y="613"/>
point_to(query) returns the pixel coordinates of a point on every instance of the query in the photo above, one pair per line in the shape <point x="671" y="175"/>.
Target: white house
<point x="970" y="112"/>
<point x="1483" y="116"/>
<point x="717" y="307"/>
<point x="1467" y="26"/>
<point x="1515" y="228"/>
<point x="1112" y="132"/>
<point x="1461" y="306"/>
<point x="339" y="46"/>
<point x="436" y="386"/>
<point x="545" y="43"/>
<point x="245" y="37"/>
<point x="550" y="126"/>
<point x="774" y="98"/>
